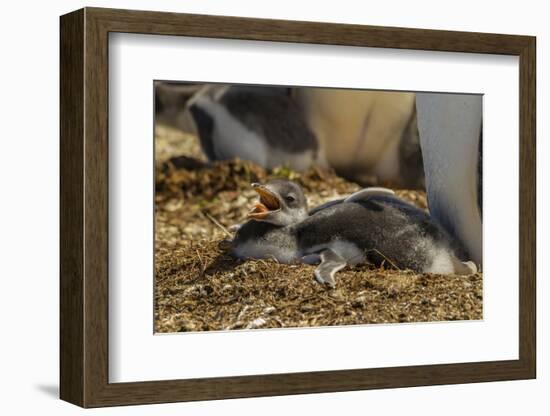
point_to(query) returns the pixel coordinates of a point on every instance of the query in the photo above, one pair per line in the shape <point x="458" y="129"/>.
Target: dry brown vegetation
<point x="199" y="287"/>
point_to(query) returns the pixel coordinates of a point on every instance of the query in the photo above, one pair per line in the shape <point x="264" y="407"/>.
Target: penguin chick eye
<point x="290" y="198"/>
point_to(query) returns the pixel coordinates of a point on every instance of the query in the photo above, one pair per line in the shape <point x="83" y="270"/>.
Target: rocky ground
<point x="199" y="287"/>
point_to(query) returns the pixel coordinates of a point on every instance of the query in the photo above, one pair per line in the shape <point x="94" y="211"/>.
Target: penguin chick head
<point x="281" y="203"/>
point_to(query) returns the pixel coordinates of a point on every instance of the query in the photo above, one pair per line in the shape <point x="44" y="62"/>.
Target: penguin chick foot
<point x="331" y="263"/>
<point x="470" y="266"/>
<point x="465" y="267"/>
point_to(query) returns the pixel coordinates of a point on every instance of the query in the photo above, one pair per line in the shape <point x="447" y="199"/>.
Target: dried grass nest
<point x="199" y="287"/>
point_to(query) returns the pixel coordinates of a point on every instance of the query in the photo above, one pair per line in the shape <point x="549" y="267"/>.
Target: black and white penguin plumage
<point x="450" y="128"/>
<point x="260" y="124"/>
<point x="370" y="226"/>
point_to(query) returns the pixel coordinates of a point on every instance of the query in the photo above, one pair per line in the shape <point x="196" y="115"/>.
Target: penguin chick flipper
<point x="330" y="264"/>
<point x="367" y="193"/>
<point x="362" y="195"/>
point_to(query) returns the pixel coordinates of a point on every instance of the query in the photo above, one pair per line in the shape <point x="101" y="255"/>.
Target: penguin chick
<point x="370" y="226"/>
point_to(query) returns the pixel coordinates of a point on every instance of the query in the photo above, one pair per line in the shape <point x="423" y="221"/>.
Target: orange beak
<point x="268" y="202"/>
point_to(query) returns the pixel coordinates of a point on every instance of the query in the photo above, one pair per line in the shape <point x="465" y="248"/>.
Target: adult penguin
<point x="260" y="124"/>
<point x="370" y="137"/>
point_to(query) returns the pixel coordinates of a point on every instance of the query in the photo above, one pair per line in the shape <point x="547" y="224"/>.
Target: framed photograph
<point x="255" y="207"/>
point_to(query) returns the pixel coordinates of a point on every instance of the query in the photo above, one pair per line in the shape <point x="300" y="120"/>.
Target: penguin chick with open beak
<point x="370" y="226"/>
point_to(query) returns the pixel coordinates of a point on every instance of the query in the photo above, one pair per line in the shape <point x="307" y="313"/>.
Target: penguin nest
<point x="199" y="287"/>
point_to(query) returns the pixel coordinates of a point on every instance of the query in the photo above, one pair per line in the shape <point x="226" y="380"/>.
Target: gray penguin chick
<point x="370" y="226"/>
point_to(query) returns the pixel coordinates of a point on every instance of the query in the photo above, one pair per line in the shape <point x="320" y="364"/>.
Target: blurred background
<point x="369" y="137"/>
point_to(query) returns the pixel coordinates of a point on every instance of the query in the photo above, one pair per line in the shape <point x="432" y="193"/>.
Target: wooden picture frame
<point x="84" y="207"/>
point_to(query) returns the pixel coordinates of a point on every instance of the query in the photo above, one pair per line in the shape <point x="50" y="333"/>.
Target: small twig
<point x="216" y="223"/>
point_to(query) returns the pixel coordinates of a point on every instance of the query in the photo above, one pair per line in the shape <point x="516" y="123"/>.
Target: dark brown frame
<point x="84" y="208"/>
